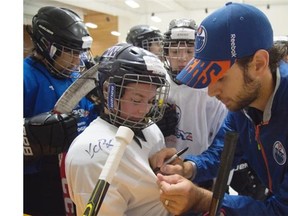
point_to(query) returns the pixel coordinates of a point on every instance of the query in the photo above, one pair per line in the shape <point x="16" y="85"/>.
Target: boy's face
<point x="179" y="55"/>
<point x="137" y="101"/>
<point x="156" y="47"/>
<point x="68" y="61"/>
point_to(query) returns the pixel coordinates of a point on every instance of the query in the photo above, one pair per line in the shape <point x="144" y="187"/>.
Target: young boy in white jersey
<point x="199" y="116"/>
<point x="133" y="90"/>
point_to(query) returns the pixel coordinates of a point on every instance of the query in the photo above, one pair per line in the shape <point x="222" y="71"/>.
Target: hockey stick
<point x="220" y="186"/>
<point x="123" y="137"/>
<point x="64" y="105"/>
<point x="76" y="91"/>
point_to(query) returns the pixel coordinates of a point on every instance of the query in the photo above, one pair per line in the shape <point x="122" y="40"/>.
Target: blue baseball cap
<point x="232" y="32"/>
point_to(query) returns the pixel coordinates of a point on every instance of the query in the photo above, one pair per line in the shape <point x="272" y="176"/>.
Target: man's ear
<point x="261" y="61"/>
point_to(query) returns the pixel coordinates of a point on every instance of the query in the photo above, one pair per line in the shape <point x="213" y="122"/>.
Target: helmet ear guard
<point x="53" y="50"/>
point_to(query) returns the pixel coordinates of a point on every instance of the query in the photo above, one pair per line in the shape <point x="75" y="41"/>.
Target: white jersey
<point x="133" y="190"/>
<point x="200" y="117"/>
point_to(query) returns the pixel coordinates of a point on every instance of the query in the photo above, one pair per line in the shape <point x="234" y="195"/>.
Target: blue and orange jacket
<point x="263" y="145"/>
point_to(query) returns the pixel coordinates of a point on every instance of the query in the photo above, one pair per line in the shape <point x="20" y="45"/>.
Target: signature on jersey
<point x="101" y="145"/>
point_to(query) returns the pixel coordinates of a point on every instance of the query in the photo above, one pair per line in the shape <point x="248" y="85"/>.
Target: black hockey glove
<point x="169" y="121"/>
<point x="246" y="182"/>
<point x="48" y="134"/>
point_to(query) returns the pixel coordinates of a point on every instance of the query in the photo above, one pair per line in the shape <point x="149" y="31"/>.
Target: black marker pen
<point x="171" y="159"/>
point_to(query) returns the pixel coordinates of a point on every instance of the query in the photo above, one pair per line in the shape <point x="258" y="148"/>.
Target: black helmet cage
<point x="131" y="64"/>
<point x="178" y="39"/>
<point x="144" y="36"/>
<point x="60" y="31"/>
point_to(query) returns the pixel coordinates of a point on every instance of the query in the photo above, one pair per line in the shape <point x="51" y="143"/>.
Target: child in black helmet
<point x="61" y="45"/>
<point x="133" y="90"/>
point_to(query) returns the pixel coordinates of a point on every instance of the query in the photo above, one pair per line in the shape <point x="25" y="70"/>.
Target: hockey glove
<point x="48" y="134"/>
<point x="246" y="182"/>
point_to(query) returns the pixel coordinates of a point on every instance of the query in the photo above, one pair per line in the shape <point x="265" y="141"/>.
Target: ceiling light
<point x="115" y="33"/>
<point x="132" y="3"/>
<point x="155" y="18"/>
<point x="91" y="25"/>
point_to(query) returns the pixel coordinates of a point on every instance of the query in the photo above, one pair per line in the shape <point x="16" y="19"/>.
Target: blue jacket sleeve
<point x="207" y="163"/>
<point x="207" y="166"/>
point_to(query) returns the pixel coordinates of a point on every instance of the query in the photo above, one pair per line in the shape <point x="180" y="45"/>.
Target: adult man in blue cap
<point x="235" y="58"/>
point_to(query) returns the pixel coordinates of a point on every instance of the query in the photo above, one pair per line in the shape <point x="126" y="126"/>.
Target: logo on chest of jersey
<point x="80" y="112"/>
<point x="184" y="135"/>
<point x="279" y="153"/>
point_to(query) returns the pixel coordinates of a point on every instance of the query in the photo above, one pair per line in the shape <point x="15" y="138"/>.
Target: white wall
<point x="30" y="10"/>
<point x="277" y="14"/>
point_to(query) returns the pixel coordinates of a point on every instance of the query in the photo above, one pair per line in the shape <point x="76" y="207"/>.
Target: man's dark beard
<point x="251" y="89"/>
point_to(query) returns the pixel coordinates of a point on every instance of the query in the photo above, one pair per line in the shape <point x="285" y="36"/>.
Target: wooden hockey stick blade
<point x="76" y="91"/>
<point x="227" y="155"/>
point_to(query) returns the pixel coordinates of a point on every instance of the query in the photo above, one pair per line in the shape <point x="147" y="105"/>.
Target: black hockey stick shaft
<point x="123" y="137"/>
<point x="227" y="155"/>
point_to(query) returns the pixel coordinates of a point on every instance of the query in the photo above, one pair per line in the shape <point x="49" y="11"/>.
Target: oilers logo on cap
<point x="201" y="39"/>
